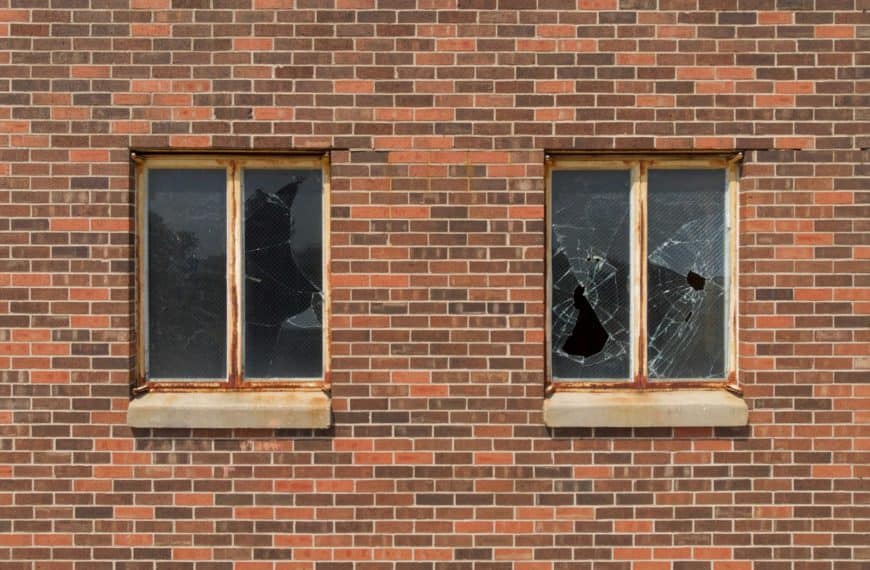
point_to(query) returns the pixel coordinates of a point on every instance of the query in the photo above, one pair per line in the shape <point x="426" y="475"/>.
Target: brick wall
<point x="439" y="113"/>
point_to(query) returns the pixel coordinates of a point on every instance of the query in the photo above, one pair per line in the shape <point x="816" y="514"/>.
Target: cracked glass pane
<point x="590" y="252"/>
<point x="187" y="295"/>
<point x="283" y="273"/>
<point x="686" y="305"/>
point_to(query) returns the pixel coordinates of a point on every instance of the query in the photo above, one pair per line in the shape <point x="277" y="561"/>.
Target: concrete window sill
<point x="230" y="410"/>
<point x="631" y="408"/>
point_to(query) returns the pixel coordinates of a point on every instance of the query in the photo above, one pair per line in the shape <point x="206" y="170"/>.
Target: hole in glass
<point x="695" y="281"/>
<point x="588" y="337"/>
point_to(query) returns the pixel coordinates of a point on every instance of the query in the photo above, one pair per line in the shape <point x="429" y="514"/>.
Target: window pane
<point x="590" y="254"/>
<point x="187" y="295"/>
<point x="686" y="308"/>
<point x="283" y="273"/>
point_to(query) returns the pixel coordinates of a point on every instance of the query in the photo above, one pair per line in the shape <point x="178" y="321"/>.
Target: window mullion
<point x="234" y="273"/>
<point x="639" y="273"/>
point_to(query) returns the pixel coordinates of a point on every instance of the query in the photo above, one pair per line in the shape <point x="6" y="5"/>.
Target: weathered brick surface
<point x="439" y="113"/>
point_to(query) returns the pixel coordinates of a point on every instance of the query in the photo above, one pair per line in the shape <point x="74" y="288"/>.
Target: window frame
<point x="639" y="165"/>
<point x="234" y="164"/>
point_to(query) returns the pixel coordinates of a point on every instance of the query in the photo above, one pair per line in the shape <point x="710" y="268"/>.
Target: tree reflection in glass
<point x="187" y="274"/>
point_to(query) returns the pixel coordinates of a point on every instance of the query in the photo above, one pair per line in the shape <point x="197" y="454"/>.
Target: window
<point x="642" y="273"/>
<point x="231" y="292"/>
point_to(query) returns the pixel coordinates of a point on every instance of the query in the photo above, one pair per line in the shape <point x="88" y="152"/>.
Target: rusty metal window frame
<point x="233" y="163"/>
<point x="639" y="165"/>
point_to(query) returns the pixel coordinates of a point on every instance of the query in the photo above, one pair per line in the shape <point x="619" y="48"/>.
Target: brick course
<point x="437" y="114"/>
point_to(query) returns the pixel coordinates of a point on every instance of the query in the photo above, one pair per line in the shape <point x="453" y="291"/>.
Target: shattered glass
<point x="283" y="273"/>
<point x="187" y="296"/>
<point x="590" y="253"/>
<point x="686" y="268"/>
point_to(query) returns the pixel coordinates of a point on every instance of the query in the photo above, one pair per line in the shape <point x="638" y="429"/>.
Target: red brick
<point x="436" y="117"/>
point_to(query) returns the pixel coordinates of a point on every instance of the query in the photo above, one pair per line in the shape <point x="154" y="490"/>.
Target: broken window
<point x="686" y="274"/>
<point x="283" y="273"/>
<point x="231" y="279"/>
<point x="641" y="271"/>
<point x="591" y="262"/>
